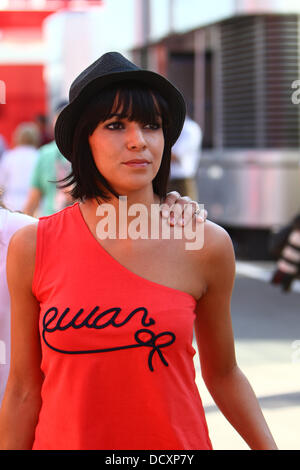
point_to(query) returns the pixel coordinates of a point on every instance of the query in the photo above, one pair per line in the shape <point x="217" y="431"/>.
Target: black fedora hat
<point x="110" y="68"/>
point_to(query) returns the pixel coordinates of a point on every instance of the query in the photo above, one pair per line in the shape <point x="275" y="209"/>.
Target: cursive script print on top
<point x="144" y="337"/>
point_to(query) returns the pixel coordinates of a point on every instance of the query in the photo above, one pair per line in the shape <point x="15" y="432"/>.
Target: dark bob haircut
<point x="135" y="102"/>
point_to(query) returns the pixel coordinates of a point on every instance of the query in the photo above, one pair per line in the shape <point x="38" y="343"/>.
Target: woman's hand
<point x="173" y="209"/>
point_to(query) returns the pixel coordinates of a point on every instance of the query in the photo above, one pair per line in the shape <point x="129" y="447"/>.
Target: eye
<point x="114" y="125"/>
<point x="153" y="126"/>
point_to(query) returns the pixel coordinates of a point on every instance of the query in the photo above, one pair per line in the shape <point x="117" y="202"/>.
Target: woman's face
<point x="127" y="153"/>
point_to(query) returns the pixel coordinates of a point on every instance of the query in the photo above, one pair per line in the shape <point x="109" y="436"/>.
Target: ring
<point x="198" y="211"/>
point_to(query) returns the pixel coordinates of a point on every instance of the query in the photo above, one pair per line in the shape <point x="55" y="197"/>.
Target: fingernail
<point x="199" y="219"/>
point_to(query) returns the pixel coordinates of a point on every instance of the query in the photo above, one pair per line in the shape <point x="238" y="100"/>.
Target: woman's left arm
<point x="226" y="383"/>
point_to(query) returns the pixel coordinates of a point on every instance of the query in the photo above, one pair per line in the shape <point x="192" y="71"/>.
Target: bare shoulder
<point x="21" y="252"/>
<point x="216" y="239"/>
<point x="208" y="257"/>
<point x="213" y="240"/>
<point x="213" y="254"/>
<point x="24" y="239"/>
<point x="218" y="256"/>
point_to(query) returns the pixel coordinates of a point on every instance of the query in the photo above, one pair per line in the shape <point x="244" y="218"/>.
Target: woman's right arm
<point x="22" y="399"/>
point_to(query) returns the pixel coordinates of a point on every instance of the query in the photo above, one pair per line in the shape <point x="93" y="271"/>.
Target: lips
<point x="136" y="163"/>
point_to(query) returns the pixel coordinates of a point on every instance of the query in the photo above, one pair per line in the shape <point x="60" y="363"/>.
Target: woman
<point x="10" y="222"/>
<point x="114" y="366"/>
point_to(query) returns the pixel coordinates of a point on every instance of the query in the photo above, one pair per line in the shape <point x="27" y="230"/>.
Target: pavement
<point x="266" y="324"/>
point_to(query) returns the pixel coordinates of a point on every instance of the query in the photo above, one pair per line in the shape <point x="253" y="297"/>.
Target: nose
<point x="135" y="139"/>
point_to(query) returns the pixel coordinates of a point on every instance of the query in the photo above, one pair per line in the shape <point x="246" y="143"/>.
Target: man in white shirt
<point x="16" y="166"/>
<point x="185" y="160"/>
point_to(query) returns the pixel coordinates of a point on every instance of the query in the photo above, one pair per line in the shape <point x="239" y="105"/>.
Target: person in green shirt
<point x="51" y="166"/>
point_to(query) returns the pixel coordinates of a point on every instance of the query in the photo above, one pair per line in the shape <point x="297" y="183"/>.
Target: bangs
<point x="138" y="105"/>
<point x="129" y="100"/>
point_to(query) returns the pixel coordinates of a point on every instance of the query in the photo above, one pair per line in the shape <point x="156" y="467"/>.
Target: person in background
<point x="51" y="166"/>
<point x="185" y="159"/>
<point x="16" y="166"/>
<point x="10" y="222"/>
<point x="288" y="263"/>
<point x="3" y="145"/>
<point x="45" y="135"/>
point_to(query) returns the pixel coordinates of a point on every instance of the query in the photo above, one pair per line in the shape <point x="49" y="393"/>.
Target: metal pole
<point x="199" y="78"/>
<point x="217" y="92"/>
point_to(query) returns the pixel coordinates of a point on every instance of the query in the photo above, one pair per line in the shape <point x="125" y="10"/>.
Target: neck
<point x="144" y="196"/>
<point x="121" y="208"/>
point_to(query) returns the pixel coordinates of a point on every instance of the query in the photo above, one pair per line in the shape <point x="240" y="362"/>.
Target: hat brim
<point x="68" y="118"/>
